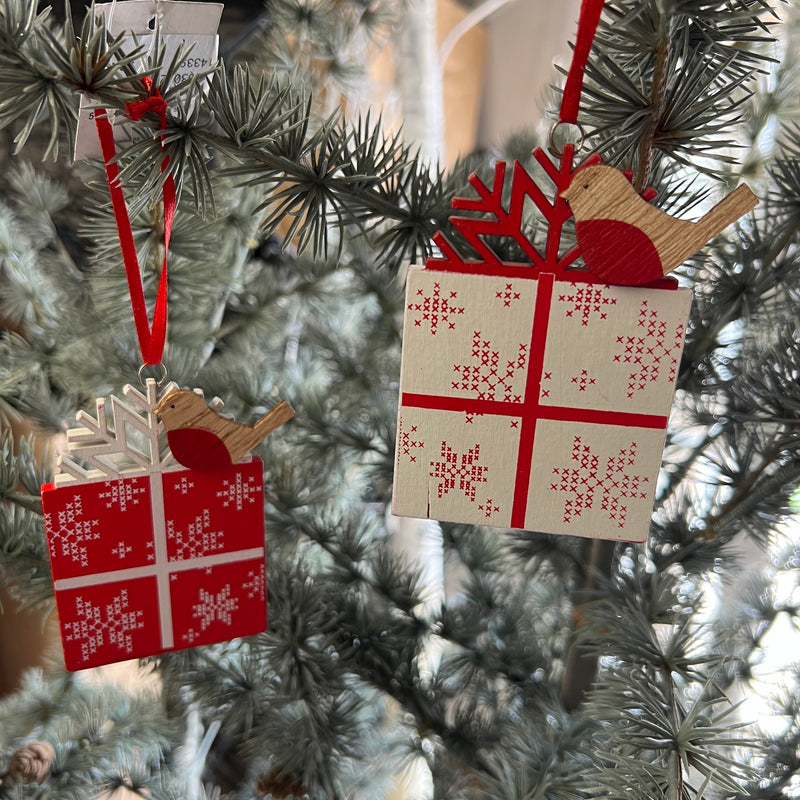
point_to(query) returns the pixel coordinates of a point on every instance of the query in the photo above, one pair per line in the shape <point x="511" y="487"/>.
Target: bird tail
<point x="273" y="419"/>
<point x="738" y="203"/>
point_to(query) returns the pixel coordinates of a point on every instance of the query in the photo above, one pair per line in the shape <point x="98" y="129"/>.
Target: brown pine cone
<point x="32" y="762"/>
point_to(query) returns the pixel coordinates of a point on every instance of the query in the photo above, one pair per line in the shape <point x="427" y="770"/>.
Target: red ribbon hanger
<point x="151" y="339"/>
<point x="587" y="27"/>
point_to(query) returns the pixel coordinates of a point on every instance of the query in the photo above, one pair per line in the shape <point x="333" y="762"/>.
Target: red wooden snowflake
<point x="499" y="222"/>
<point x="496" y="220"/>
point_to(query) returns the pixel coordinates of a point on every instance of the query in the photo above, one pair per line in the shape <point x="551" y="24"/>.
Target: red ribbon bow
<point x="155" y="103"/>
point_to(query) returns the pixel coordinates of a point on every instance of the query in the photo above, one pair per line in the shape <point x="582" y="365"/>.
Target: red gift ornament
<point x="147" y="556"/>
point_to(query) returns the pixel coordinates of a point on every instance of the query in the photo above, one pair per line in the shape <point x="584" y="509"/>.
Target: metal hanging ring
<point x="555" y="147"/>
<point x="159" y="381"/>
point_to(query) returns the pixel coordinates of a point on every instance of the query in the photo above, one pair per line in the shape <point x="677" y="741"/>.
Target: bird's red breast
<point x="197" y="448"/>
<point x="618" y="252"/>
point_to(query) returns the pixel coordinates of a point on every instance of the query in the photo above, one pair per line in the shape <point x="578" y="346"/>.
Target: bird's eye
<point x="173" y="405"/>
<point x="585" y="185"/>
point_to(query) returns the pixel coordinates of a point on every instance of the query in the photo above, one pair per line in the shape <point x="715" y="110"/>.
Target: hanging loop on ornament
<point x="562" y="134"/>
<point x="143" y="378"/>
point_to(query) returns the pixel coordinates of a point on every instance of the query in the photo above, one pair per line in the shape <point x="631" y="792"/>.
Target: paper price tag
<point x="180" y="25"/>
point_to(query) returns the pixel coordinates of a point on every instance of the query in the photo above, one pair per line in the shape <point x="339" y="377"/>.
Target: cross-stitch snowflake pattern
<point x="138" y="544"/>
<point x="601" y="478"/>
<point x="407" y="441"/>
<point x="593" y="481"/>
<point x="435" y="309"/>
<point x="627" y="341"/>
<point x="84" y="529"/>
<point x="466" y="468"/>
<point x="506" y="366"/>
<point x="458" y="471"/>
<point x="488" y="377"/>
<point x="483" y="356"/>
<point x="210" y="603"/>
<point x="114" y="619"/>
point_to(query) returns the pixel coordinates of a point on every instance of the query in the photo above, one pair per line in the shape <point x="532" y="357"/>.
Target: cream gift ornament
<point x="533" y="395"/>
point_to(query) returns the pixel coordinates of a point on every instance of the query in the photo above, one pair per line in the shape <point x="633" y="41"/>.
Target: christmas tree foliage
<point x="551" y="668"/>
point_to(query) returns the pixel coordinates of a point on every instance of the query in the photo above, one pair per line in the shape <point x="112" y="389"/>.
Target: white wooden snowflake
<point x="128" y="442"/>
